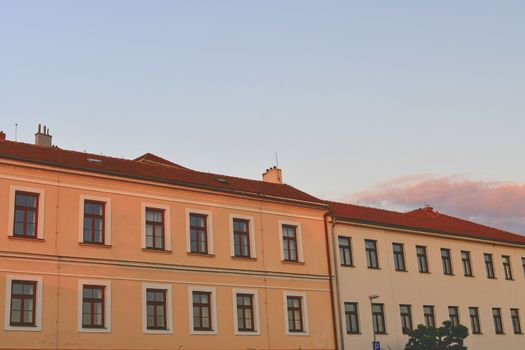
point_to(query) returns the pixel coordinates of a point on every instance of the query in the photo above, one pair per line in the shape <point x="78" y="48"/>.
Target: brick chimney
<point x="42" y="137"/>
<point x="273" y="175"/>
<point x="2" y="136"/>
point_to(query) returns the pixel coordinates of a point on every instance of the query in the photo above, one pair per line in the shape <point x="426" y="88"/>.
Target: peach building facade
<point x="105" y="253"/>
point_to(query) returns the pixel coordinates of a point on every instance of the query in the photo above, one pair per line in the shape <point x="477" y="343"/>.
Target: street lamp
<point x="372" y="297"/>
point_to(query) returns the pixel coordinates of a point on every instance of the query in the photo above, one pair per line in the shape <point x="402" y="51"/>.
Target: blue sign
<point x="376" y="345"/>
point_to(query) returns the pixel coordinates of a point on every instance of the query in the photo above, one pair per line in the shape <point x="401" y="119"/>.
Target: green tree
<point x="447" y="337"/>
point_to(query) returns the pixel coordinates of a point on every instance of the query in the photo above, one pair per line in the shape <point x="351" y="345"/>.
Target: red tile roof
<point x="424" y="219"/>
<point x="152" y="168"/>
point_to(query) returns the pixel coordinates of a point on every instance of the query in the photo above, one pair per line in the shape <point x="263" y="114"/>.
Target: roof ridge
<point x="367" y="207"/>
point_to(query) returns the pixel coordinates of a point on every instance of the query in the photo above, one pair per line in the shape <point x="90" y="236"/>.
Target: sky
<point x="395" y="104"/>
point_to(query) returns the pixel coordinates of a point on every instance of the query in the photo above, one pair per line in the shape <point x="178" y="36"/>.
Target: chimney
<point x="2" y="136"/>
<point x="273" y="175"/>
<point x="42" y="137"/>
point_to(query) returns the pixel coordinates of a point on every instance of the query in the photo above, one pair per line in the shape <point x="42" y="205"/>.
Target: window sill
<point x="425" y="272"/>
<point x="26" y="239"/>
<point x="248" y="258"/>
<point x="401" y="270"/>
<point x="470" y="276"/>
<point x="348" y="266"/>
<point x="477" y="333"/>
<point x="201" y="254"/>
<point x="351" y="333"/>
<point x="150" y="250"/>
<point x="509" y="279"/>
<point x="374" y="268"/>
<point x="85" y="244"/>
<point x="293" y="263"/>
<point x="449" y="274"/>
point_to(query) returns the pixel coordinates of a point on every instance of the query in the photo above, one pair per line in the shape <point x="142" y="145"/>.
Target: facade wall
<point x="434" y="288"/>
<point x="63" y="261"/>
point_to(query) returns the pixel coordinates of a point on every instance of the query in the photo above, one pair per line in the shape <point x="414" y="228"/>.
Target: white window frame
<point x="167" y="223"/>
<point x="107" y="217"/>
<point x="169" y="309"/>
<point x="38" y="301"/>
<point x="40" y="215"/>
<point x="251" y="232"/>
<point x="209" y="229"/>
<point x="214" y="325"/>
<point x="304" y="308"/>
<point x="255" y="294"/>
<point x="107" y="306"/>
<point x="300" y="256"/>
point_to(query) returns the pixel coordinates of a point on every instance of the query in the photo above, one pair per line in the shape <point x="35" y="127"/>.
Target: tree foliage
<point x="447" y="337"/>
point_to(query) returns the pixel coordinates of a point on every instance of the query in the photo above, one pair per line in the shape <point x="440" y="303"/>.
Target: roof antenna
<point x="16" y="132"/>
<point x="276" y="160"/>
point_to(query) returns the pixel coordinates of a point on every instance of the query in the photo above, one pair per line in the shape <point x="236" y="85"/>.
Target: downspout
<point x="336" y="315"/>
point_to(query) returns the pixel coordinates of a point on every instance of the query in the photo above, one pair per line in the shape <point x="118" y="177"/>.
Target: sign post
<point x="376" y="345"/>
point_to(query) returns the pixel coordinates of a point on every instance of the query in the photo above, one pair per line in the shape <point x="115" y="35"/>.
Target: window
<point x="428" y="313"/>
<point x="246" y="312"/>
<point x="496" y="316"/>
<point x="289" y="243"/>
<point x="523" y="264"/>
<point x="155" y="229"/>
<point x="453" y="315"/>
<point x="352" y="319"/>
<point x="506" y="267"/>
<point x="94" y="222"/>
<point x="422" y="262"/>
<point x="241" y="238"/>
<point x="23" y="303"/>
<point x="474" y="320"/>
<point x="467" y="266"/>
<point x="295" y="313"/>
<point x="399" y="256"/>
<point x="447" y="263"/>
<point x="378" y="318"/>
<point x="203" y="312"/>
<point x="93" y="306"/>
<point x="371" y="254"/>
<point x="489" y="265"/>
<point x="406" y="318"/>
<point x="156" y="309"/>
<point x="198" y="233"/>
<point x="345" y="251"/>
<point x="26" y="214"/>
<point x="515" y="318"/>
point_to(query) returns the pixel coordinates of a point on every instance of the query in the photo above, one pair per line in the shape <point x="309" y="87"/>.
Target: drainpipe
<point x="336" y="314"/>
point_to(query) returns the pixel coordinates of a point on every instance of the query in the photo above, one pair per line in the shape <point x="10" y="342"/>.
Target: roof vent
<point x="224" y="181"/>
<point x="94" y="160"/>
<point x="2" y="136"/>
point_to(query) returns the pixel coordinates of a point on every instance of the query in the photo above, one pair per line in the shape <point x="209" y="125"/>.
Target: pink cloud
<point x="498" y="204"/>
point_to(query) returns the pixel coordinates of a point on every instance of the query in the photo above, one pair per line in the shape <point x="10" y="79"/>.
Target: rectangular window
<point x="506" y="267"/>
<point x="378" y="318"/>
<point x="422" y="262"/>
<point x="453" y="315"/>
<point x="515" y="317"/>
<point x="26" y="214"/>
<point x="241" y="238"/>
<point x="198" y="233"/>
<point x="245" y="312"/>
<point x="428" y="313"/>
<point x="489" y="265"/>
<point x="295" y="313"/>
<point x="345" y="251"/>
<point x="156" y="308"/>
<point x="352" y="319"/>
<point x="155" y="228"/>
<point x="406" y="318"/>
<point x="523" y="264"/>
<point x="467" y="266"/>
<point x="202" y="311"/>
<point x="498" y="324"/>
<point x="93" y="306"/>
<point x="447" y="262"/>
<point x="474" y="320"/>
<point x="23" y="303"/>
<point x="290" y="243"/>
<point x="399" y="256"/>
<point x="371" y="254"/>
<point x="94" y="222"/>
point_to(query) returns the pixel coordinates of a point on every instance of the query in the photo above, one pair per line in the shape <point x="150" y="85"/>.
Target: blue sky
<point x="350" y="94"/>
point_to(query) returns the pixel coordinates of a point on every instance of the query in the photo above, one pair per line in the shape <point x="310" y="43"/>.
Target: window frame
<point x="378" y="316"/>
<point x="251" y="236"/>
<point x="368" y="254"/>
<point x="454" y="316"/>
<point x="497" y="320"/>
<point x="466" y="261"/>
<point x="167" y="225"/>
<point x="298" y="238"/>
<point x="209" y="231"/>
<point x="507" y="268"/>
<point x="344" y="251"/>
<point x="37" y="306"/>
<point x="446" y="261"/>
<point x="429" y="316"/>
<point x="40" y="212"/>
<point x="489" y="265"/>
<point x="106" y="306"/>
<point x="255" y="312"/>
<point x="399" y="257"/>
<point x="106" y="239"/>
<point x="348" y="318"/>
<point x="304" y="313"/>
<point x="212" y="311"/>
<point x="404" y="317"/>
<point x="422" y="258"/>
<point x="475" y="322"/>
<point x="515" y="320"/>
<point x="168" y="308"/>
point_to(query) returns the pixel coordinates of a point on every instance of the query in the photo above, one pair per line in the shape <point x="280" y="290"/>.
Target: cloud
<point x="497" y="204"/>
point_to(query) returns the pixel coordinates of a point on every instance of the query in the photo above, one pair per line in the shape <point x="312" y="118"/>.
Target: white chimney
<point x="273" y="175"/>
<point x="42" y="137"/>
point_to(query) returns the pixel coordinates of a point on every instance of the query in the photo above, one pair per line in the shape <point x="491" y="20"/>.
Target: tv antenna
<point x="16" y="132"/>
<point x="276" y="160"/>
